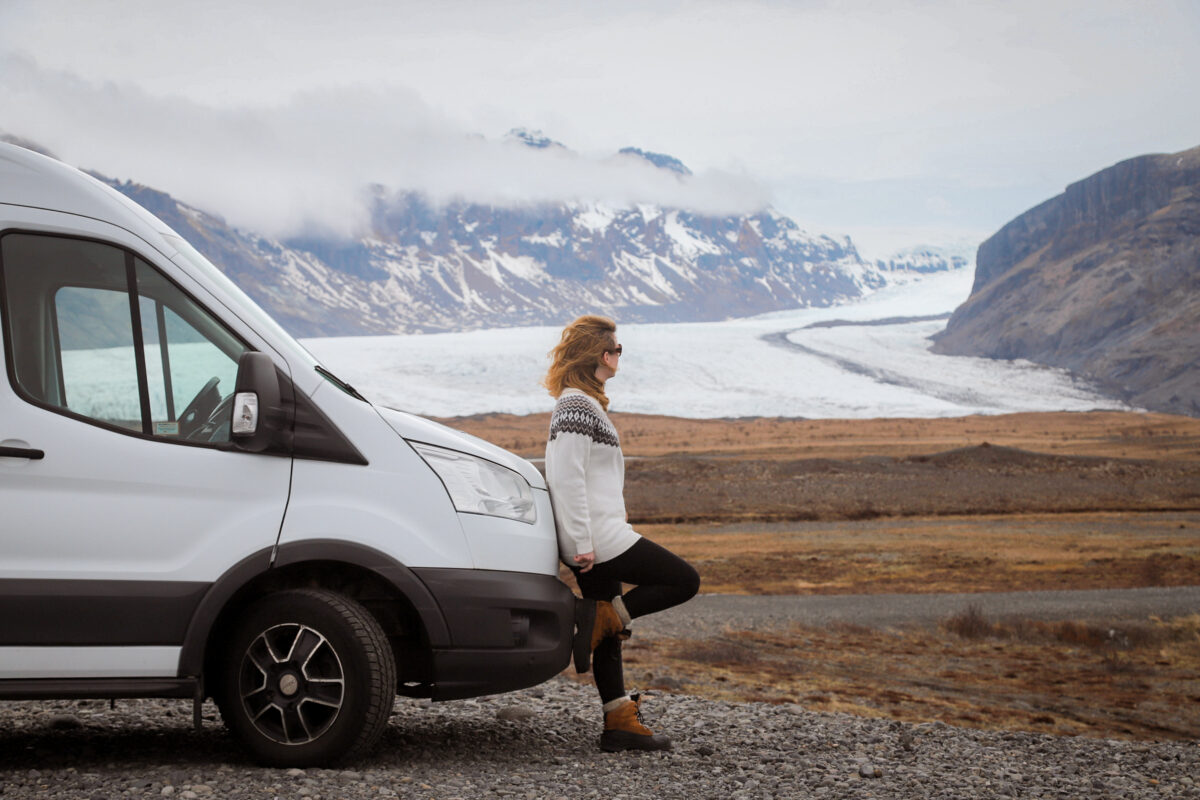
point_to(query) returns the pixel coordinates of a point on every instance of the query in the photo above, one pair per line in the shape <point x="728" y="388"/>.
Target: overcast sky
<point x="896" y="122"/>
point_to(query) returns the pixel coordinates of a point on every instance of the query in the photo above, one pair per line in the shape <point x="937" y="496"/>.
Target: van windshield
<point x="196" y="259"/>
<point x="249" y="308"/>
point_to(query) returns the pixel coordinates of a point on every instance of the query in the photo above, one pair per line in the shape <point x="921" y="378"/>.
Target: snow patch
<point x="555" y="239"/>
<point x="649" y="212"/>
<point x="525" y="267"/>
<point x="595" y="218"/>
<point x="686" y="244"/>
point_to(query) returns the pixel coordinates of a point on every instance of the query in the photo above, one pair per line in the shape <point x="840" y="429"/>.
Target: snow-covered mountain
<point x="424" y="267"/>
<point x="920" y="260"/>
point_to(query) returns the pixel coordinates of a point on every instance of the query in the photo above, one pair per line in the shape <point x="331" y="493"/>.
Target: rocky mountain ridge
<point x="1103" y="279"/>
<point x="470" y="266"/>
<point x="423" y="267"/>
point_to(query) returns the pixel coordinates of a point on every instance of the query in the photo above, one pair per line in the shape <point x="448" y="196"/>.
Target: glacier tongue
<point x="817" y="362"/>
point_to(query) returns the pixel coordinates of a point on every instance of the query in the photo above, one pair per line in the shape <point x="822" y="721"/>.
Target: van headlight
<point x="477" y="486"/>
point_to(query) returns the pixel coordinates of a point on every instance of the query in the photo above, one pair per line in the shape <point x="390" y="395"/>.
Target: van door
<point x="121" y="496"/>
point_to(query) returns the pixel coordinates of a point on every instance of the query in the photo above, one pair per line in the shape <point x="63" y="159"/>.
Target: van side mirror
<point x="256" y="416"/>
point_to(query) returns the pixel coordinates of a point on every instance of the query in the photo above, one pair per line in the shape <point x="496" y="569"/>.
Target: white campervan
<point x="192" y="506"/>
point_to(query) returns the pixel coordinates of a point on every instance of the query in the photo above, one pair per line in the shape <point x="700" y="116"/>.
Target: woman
<point x="586" y="474"/>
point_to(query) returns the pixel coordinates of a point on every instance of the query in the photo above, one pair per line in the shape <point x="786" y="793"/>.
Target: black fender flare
<point x="192" y="654"/>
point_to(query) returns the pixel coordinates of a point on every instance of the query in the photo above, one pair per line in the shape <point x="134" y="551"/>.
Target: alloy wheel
<point x="292" y="683"/>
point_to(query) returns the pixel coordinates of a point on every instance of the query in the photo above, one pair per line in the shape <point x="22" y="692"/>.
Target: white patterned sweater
<point x="586" y="475"/>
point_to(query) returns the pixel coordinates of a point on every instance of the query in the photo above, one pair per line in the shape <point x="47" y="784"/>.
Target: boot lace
<point x="636" y="697"/>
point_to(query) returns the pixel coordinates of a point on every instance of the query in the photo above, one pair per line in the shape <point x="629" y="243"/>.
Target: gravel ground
<point x="541" y="743"/>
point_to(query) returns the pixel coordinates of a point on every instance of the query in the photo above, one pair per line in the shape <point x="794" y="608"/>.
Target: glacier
<point x="771" y="365"/>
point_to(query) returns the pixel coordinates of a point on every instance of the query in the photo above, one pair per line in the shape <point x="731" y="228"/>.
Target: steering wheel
<point x="199" y="409"/>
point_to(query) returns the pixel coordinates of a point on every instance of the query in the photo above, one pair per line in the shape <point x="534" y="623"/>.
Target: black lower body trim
<point x="508" y="630"/>
<point x="65" y="613"/>
<point x="459" y="674"/>
<point x="83" y="688"/>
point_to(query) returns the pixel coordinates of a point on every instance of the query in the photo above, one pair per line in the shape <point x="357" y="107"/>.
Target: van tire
<point x="308" y="679"/>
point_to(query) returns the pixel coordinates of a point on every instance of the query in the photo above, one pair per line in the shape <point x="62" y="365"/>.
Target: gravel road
<point x="541" y="743"/>
<point x="713" y="612"/>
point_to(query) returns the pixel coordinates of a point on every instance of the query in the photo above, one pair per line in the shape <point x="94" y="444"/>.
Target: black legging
<point x="661" y="579"/>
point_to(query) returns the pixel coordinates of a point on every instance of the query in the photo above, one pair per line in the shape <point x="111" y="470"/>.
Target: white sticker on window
<point x="166" y="429"/>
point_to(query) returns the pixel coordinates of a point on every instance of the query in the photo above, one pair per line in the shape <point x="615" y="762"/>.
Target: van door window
<point x="160" y="365"/>
<point x="191" y="361"/>
<point x="99" y="372"/>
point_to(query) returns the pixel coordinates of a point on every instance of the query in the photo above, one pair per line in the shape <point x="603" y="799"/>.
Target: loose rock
<point x="515" y="713"/>
<point x="473" y="749"/>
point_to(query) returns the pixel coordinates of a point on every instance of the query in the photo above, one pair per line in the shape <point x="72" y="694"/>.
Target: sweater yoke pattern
<point x="576" y="414"/>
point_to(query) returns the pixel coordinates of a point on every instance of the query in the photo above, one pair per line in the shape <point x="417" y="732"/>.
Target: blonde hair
<point x="574" y="359"/>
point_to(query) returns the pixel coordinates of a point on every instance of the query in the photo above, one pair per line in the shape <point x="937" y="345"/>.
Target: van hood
<point x="418" y="429"/>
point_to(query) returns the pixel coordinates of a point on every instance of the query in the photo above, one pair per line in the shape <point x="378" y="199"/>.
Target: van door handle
<point x="21" y="452"/>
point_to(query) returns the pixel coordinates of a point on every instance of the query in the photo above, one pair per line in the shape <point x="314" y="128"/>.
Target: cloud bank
<point x="308" y="161"/>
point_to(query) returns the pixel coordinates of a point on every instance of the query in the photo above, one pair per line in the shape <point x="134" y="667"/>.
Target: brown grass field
<point x="1097" y="433"/>
<point x="1019" y="552"/>
<point x="1015" y="502"/>
<point x="1128" y="681"/>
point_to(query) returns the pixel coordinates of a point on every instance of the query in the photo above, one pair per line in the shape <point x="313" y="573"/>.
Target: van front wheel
<point x="308" y="679"/>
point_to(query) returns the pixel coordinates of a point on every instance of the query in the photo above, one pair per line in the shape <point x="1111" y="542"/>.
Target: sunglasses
<point x="618" y="349"/>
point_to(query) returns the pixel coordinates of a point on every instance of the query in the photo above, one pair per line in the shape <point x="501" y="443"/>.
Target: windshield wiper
<point x="338" y="382"/>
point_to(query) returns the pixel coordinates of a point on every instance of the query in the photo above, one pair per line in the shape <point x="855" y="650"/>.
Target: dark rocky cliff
<point x="1103" y="280"/>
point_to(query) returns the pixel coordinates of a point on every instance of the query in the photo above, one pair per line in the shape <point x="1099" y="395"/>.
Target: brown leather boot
<point x="625" y="730"/>
<point x="595" y="621"/>
<point x="608" y="623"/>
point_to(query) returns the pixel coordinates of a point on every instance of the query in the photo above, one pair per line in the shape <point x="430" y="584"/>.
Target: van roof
<point x="31" y="179"/>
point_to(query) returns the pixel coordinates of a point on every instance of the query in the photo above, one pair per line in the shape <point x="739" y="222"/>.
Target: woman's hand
<point x="585" y="561"/>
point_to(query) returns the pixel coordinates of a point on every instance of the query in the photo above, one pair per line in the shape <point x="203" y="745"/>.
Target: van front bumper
<point x="508" y="630"/>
